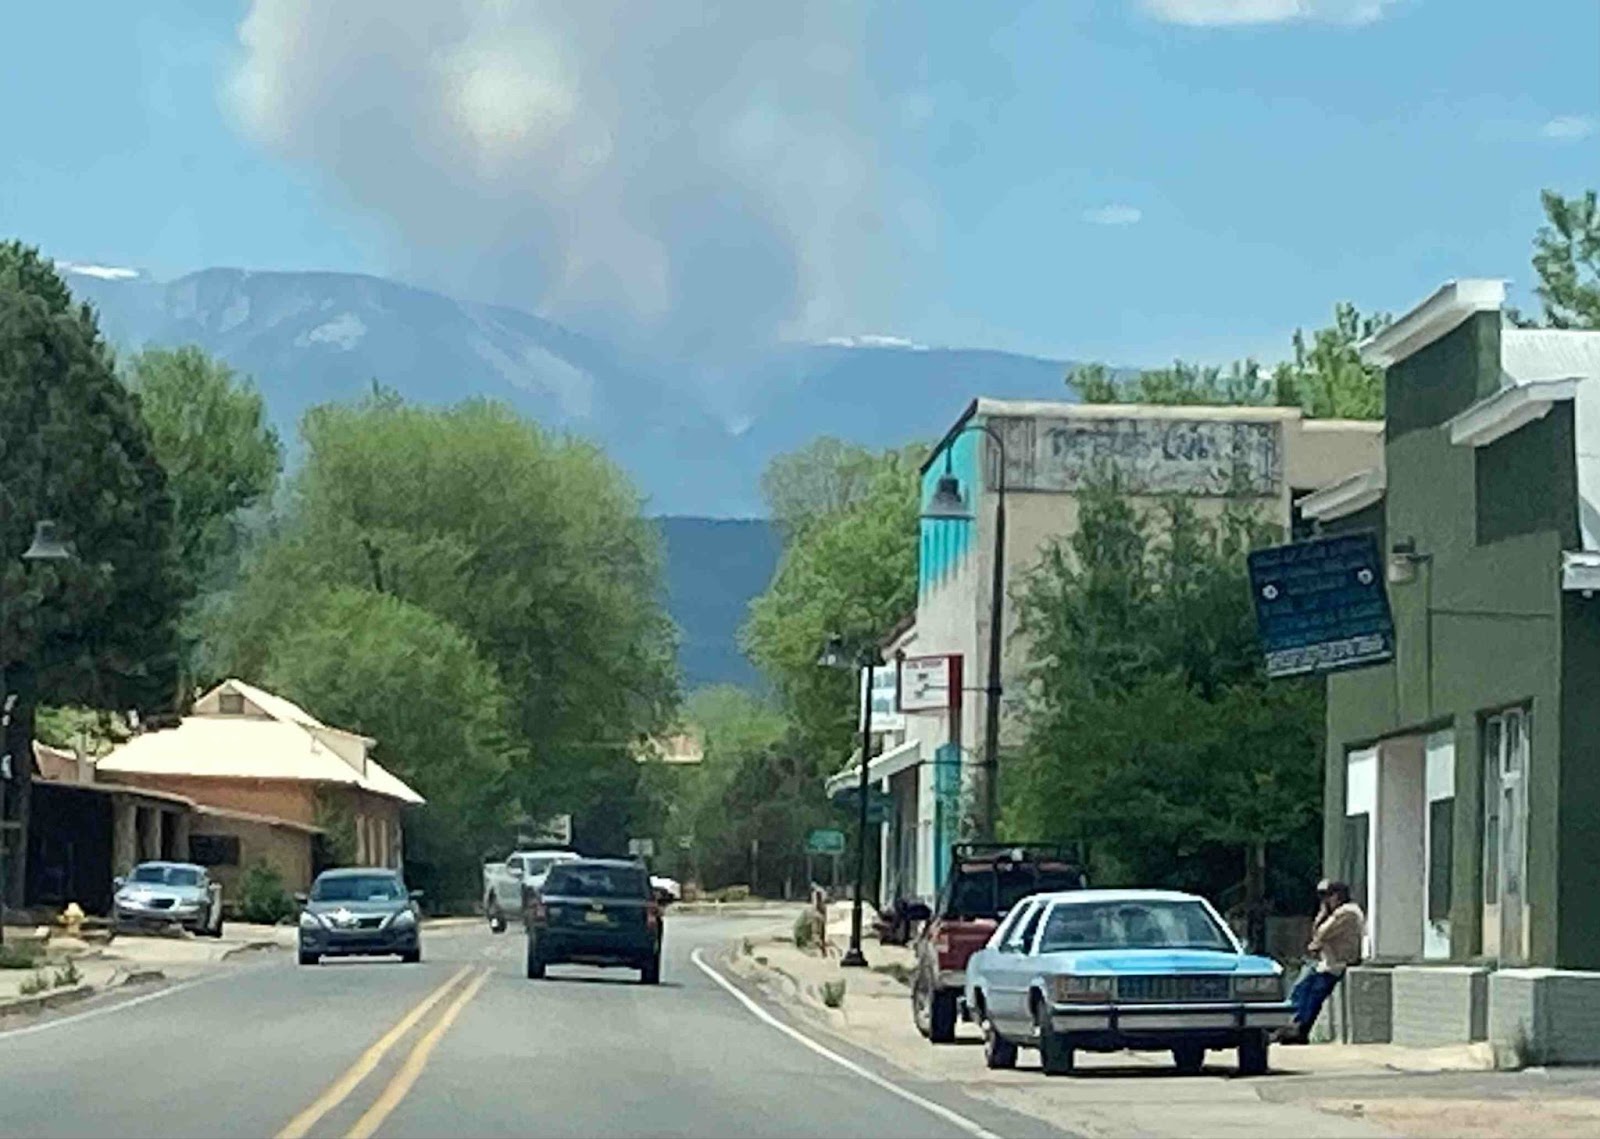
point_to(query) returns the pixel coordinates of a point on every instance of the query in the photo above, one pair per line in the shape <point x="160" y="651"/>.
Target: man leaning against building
<point x="1336" y="936"/>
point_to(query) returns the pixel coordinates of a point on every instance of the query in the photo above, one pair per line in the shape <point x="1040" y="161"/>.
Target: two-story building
<point x="1270" y="456"/>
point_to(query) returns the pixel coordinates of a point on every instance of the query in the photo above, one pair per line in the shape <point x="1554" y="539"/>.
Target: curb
<point x="39" y="1002"/>
<point x="249" y="947"/>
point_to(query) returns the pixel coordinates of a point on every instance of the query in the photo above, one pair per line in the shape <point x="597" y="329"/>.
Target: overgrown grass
<point x="833" y="993"/>
<point x="67" y="974"/>
<point x="37" y="982"/>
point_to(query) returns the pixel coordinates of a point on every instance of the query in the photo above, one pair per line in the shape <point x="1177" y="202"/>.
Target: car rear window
<point x="989" y="889"/>
<point x="595" y="881"/>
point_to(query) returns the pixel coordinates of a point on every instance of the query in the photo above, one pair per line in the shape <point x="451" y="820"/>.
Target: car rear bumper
<point x="1160" y="1025"/>
<point x="594" y="948"/>
<point x="952" y="979"/>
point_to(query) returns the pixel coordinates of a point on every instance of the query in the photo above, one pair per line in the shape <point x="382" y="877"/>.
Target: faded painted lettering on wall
<point x="1171" y="456"/>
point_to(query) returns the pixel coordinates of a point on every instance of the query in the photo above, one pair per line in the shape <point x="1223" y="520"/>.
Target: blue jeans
<point x="1309" y="995"/>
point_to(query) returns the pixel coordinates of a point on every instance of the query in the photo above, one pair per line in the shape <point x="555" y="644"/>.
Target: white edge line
<point x="871" y="1077"/>
<point x="108" y="1009"/>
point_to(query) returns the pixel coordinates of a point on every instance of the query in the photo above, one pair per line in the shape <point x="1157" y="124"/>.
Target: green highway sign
<point x="825" y="842"/>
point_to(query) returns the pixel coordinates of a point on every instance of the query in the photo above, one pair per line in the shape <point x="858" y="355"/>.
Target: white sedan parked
<point x="1107" y="970"/>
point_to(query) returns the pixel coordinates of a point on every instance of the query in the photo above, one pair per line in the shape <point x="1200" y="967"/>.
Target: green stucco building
<point x="1463" y="779"/>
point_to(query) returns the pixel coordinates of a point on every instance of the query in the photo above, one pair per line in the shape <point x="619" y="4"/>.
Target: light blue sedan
<point x="1107" y="970"/>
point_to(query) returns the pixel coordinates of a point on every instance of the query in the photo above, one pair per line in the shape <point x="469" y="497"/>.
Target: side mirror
<point x="118" y="883"/>
<point x="416" y="895"/>
<point x="302" y="899"/>
<point x="514" y="871"/>
<point x="919" y="911"/>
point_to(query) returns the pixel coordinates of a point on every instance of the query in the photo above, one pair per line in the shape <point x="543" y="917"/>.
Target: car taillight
<point x="942" y="943"/>
<point x="536" y="910"/>
<point x="652" y="916"/>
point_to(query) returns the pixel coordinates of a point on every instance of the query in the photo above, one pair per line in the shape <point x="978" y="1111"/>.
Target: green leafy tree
<point x="1567" y="258"/>
<point x="852" y="573"/>
<point x="210" y="431"/>
<point x="1152" y="733"/>
<point x="1326" y="377"/>
<point x="375" y="664"/>
<point x="826" y="477"/>
<point x="531" y="546"/>
<point x="100" y="630"/>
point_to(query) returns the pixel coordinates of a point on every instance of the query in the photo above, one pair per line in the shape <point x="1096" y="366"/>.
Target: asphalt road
<point x="462" y="1044"/>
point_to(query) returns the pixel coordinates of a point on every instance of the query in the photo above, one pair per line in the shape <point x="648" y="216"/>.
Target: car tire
<point x="921" y="1012"/>
<point x="998" y="1052"/>
<point x="1055" y="1054"/>
<point x="650" y="972"/>
<point x="1254" y="1054"/>
<point x="497" y="920"/>
<point x="535" y="963"/>
<point x="411" y="956"/>
<point x="943" y="1011"/>
<point x="309" y="958"/>
<point x="1190" y="1059"/>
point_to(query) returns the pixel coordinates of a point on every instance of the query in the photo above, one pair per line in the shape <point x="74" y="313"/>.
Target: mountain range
<point x="313" y="337"/>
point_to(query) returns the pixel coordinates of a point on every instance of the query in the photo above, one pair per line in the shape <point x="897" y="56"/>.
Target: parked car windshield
<point x="596" y="882"/>
<point x="357" y="888"/>
<point x="1132" y="925"/>
<point x="986" y="889"/>
<point x="167" y="875"/>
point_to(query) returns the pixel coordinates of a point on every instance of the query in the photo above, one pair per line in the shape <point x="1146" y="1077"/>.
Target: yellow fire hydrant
<point x="72" y="918"/>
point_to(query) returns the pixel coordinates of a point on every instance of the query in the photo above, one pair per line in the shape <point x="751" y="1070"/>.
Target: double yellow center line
<point x="403" y="1080"/>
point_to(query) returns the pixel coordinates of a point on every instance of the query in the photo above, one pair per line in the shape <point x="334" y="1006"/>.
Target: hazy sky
<point x="1129" y="180"/>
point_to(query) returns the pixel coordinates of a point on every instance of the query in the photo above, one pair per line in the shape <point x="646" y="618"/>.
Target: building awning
<point x="260" y="820"/>
<point x="1348" y="495"/>
<point x="891" y="762"/>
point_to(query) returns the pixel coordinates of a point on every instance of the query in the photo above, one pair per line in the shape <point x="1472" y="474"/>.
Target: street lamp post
<point x="46" y="546"/>
<point x="947" y="505"/>
<point x="834" y="656"/>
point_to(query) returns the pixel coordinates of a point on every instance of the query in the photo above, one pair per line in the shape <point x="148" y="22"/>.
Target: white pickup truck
<point x="503" y="882"/>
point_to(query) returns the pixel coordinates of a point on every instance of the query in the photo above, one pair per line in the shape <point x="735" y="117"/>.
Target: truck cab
<point x="504" y="883"/>
<point x="985" y="882"/>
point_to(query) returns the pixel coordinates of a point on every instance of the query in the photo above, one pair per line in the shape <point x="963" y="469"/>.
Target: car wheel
<point x="411" y="956"/>
<point x="1254" y="1054"/>
<point x="1190" y="1058"/>
<point x="535" y="962"/>
<point x="942" y="1014"/>
<point x="1055" y="1054"/>
<point x="497" y="920"/>
<point x="650" y="972"/>
<point x="998" y="1052"/>
<point x="309" y="958"/>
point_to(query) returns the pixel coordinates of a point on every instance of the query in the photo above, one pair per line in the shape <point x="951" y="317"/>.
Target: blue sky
<point x="1129" y="180"/>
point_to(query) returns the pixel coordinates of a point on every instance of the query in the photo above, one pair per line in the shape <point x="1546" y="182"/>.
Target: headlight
<point x="1091" y="989"/>
<point x="309" y="920"/>
<point x="1259" y="987"/>
<point x="405" y="919"/>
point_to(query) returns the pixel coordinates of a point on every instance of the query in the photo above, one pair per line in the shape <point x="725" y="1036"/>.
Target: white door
<point x="1505" y="835"/>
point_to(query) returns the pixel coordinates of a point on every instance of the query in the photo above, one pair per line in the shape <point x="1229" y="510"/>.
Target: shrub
<point x="748" y="947"/>
<point x="833" y="993"/>
<point x="67" y="975"/>
<point x="262" y="897"/>
<point x="18" y="956"/>
<point x="805" y="929"/>
<point x="37" y="983"/>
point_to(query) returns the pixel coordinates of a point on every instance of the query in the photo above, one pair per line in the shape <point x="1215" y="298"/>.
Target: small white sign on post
<point x="886" y="715"/>
<point x="642" y="847"/>
<point x="930" y="683"/>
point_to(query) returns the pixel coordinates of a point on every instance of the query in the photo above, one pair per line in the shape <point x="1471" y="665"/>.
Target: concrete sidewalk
<point x="1315" y="1091"/>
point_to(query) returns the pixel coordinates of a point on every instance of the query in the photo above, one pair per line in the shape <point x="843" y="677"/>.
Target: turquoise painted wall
<point x="946" y="544"/>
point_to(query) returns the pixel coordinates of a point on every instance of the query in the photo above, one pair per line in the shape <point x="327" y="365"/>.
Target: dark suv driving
<point x="596" y="911"/>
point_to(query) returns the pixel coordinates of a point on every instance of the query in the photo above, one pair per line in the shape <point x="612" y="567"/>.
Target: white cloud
<point x="103" y="272"/>
<point x="698" y="173"/>
<point x="874" y="340"/>
<point x="1222" y="13"/>
<point x="1568" y="128"/>
<point x="1114" y="214"/>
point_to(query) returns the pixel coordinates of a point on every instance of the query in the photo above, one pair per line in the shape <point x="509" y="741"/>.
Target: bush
<point x="37" y="983"/>
<point x="807" y="931"/>
<point x="833" y="993"/>
<point x="262" y="898"/>
<point x="18" y="956"/>
<point x="67" y="975"/>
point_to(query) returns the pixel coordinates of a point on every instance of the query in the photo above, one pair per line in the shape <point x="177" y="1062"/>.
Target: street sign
<point x="642" y="847"/>
<point x="930" y="684"/>
<point x="1321" y="605"/>
<point x="825" y="842"/>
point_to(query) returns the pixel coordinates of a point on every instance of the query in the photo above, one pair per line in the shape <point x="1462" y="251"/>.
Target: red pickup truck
<point x="986" y="880"/>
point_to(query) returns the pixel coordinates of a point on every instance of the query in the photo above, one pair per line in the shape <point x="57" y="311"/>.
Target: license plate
<point x="595" y="918"/>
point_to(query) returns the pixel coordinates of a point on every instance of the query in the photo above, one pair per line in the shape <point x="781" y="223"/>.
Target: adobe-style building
<point x="268" y="782"/>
